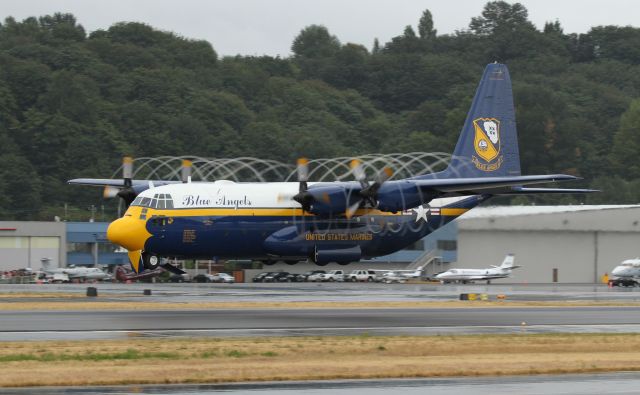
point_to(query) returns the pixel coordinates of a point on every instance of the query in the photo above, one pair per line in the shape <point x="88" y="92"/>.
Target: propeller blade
<point x="303" y="170"/>
<point x="185" y="173"/>
<point x="110" y="192"/>
<point x="371" y="191"/>
<point x="351" y="210"/>
<point x="384" y="175"/>
<point x="285" y="196"/>
<point x="358" y="173"/>
<point x="127" y="170"/>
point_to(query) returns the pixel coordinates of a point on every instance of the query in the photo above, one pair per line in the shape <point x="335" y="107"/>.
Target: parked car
<point x="361" y="275"/>
<point x="223" y="278"/>
<point x="295" y="278"/>
<point x="310" y="272"/>
<point x="334" y="275"/>
<point x="276" y="277"/>
<point x="260" y="277"/>
<point x="179" y="278"/>
<point x="316" y="277"/>
<point x="203" y="278"/>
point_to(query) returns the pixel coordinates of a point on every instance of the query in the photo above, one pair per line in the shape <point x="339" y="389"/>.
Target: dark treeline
<point x="71" y="104"/>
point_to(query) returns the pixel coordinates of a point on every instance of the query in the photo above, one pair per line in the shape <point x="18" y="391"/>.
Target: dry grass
<point x="200" y="360"/>
<point x="96" y="304"/>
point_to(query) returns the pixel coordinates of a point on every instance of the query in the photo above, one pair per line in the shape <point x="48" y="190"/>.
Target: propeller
<point x="369" y="192"/>
<point x="127" y="193"/>
<point x="303" y="197"/>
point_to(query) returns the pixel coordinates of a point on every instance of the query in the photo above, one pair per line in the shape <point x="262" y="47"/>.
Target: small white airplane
<point x="470" y="275"/>
<point x="70" y="273"/>
<point x="400" y="276"/>
<point x="626" y="273"/>
<point x="629" y="269"/>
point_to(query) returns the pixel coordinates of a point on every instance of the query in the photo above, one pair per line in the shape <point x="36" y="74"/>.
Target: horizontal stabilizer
<point x="486" y="183"/>
<point x="534" y="191"/>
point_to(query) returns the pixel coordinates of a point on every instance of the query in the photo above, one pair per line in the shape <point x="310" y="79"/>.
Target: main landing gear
<point x="150" y="261"/>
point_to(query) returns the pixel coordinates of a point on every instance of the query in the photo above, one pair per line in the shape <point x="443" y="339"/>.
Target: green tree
<point x="425" y="26"/>
<point x="315" y="41"/>
<point x="626" y="143"/>
<point x="500" y="16"/>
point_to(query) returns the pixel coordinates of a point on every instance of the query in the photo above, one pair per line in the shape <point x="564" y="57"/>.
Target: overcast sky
<point x="258" y="27"/>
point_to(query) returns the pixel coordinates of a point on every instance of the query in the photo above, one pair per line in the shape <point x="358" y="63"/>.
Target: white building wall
<point x="572" y="253"/>
<point x="25" y="244"/>
<point x="582" y="242"/>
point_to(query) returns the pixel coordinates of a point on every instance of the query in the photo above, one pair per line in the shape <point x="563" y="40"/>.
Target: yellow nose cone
<point x="130" y="233"/>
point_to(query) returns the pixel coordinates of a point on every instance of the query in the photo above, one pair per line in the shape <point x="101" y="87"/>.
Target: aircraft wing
<point x="101" y="182"/>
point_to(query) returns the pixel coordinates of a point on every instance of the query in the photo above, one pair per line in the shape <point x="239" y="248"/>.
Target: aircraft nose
<point x="129" y="233"/>
<point x="616" y="271"/>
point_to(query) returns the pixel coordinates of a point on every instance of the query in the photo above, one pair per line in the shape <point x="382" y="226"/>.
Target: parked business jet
<point x="326" y="221"/>
<point x="400" y="276"/>
<point x="626" y="273"/>
<point x="70" y="273"/>
<point x="470" y="275"/>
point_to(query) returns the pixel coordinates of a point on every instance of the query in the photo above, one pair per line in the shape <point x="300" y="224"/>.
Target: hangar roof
<point x="612" y="218"/>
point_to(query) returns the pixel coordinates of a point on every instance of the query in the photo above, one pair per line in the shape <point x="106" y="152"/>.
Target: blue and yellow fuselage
<point x="243" y="231"/>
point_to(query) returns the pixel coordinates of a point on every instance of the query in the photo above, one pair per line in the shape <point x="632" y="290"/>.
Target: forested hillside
<point x="72" y="104"/>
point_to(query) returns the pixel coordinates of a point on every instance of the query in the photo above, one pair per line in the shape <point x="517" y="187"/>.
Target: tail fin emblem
<point x="487" y="143"/>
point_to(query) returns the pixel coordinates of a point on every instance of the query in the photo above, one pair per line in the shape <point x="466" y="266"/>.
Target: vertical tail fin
<point x="508" y="262"/>
<point x="488" y="143"/>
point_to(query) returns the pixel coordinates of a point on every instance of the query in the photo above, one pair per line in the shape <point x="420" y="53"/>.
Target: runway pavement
<point x="573" y="384"/>
<point x="40" y="325"/>
<point x="94" y="324"/>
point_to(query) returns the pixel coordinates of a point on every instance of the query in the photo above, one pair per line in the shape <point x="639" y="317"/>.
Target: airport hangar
<point x="563" y="244"/>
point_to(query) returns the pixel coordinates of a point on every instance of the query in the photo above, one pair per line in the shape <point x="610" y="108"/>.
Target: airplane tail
<point x="488" y="143"/>
<point x="47" y="265"/>
<point x="509" y="262"/>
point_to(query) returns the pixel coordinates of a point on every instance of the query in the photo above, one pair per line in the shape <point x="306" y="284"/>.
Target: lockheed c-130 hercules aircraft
<point x="329" y="221"/>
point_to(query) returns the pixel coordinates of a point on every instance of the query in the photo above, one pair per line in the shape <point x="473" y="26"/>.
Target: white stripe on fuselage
<point x="229" y="194"/>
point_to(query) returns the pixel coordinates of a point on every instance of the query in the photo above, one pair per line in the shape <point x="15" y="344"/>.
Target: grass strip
<point x="211" y="360"/>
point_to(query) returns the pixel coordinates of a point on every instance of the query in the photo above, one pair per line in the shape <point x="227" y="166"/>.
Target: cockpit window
<point x="159" y="201"/>
<point x="144" y="202"/>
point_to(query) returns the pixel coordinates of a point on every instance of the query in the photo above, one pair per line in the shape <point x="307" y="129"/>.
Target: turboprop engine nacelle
<point x="332" y="200"/>
<point x="397" y="196"/>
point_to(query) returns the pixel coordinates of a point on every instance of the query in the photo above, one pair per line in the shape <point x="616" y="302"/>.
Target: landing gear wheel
<point x="150" y="261"/>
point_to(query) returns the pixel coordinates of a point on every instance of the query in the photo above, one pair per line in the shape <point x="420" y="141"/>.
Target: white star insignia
<point x="421" y="212"/>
